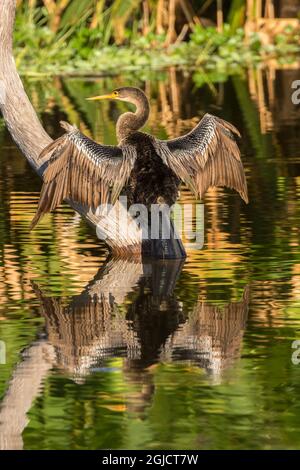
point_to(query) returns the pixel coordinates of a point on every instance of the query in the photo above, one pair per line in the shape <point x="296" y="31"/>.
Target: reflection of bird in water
<point x="102" y="322"/>
<point x="130" y="310"/>
<point x="147" y="169"/>
<point x="92" y="327"/>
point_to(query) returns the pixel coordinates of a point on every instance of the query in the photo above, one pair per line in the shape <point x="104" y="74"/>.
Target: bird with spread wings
<point x="149" y="170"/>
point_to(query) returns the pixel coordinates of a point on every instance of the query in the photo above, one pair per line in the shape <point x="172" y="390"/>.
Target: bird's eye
<point x="115" y="93"/>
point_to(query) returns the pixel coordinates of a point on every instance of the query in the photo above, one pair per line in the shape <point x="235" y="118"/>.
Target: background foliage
<point x="97" y="36"/>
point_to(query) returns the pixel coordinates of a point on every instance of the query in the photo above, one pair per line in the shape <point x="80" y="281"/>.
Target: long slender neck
<point x="129" y="123"/>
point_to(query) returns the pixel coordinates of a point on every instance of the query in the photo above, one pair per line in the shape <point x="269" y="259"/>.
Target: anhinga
<point x="146" y="169"/>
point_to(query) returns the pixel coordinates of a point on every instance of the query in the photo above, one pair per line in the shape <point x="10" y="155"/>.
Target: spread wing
<point x="207" y="156"/>
<point x="82" y="170"/>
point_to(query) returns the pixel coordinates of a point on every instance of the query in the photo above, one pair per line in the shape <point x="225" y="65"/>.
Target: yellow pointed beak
<point x="110" y="96"/>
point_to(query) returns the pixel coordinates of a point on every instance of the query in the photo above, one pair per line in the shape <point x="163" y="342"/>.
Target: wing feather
<point x="207" y="156"/>
<point x="80" y="169"/>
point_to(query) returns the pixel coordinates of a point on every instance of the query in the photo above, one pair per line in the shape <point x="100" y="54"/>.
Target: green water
<point x="104" y="353"/>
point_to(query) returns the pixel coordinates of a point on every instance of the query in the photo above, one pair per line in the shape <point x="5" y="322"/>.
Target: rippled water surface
<point x="105" y="353"/>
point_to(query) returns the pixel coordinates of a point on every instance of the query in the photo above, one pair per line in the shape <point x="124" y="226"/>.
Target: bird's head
<point x="129" y="94"/>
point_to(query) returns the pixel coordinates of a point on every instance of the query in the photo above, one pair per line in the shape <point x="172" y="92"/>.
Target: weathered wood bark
<point x="19" y="115"/>
<point x="30" y="136"/>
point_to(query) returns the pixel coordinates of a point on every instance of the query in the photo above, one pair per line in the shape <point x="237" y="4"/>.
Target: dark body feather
<point x="153" y="182"/>
<point x="150" y="181"/>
